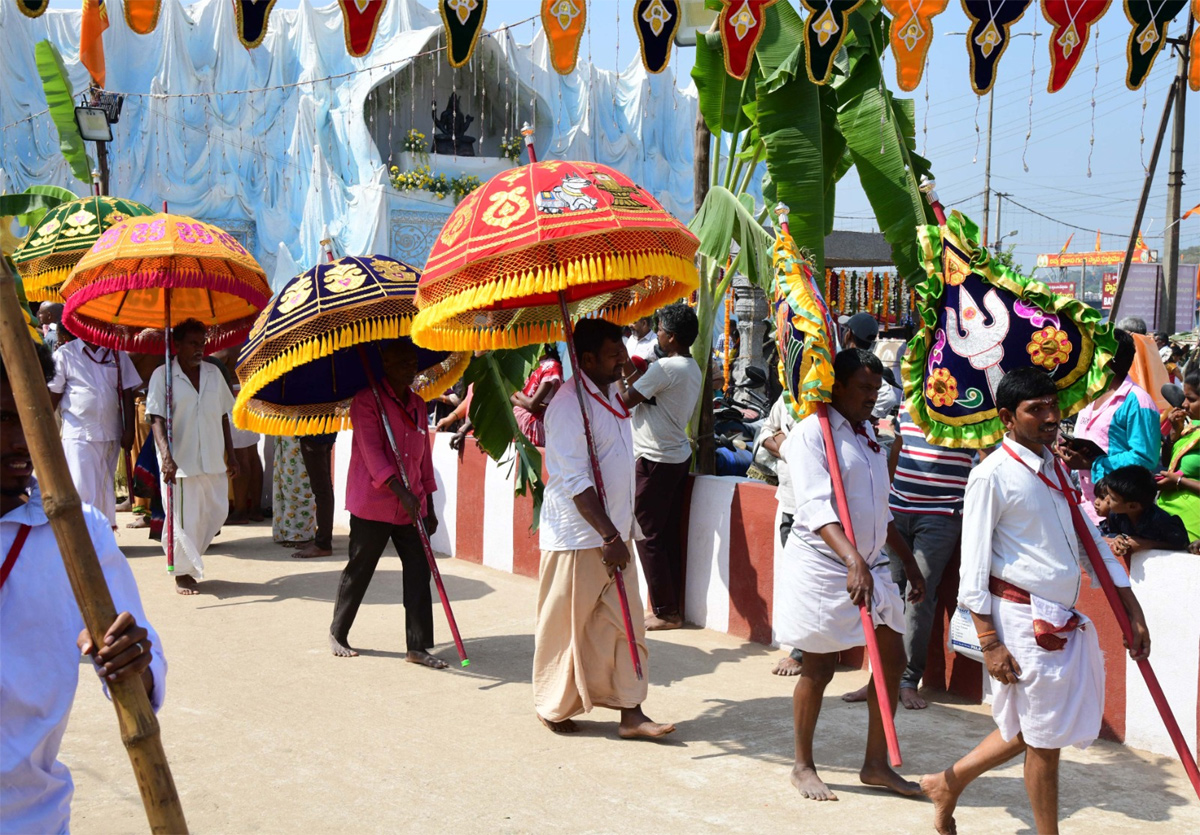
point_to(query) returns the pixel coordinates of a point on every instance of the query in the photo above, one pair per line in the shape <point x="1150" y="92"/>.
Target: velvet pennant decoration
<point x="978" y="320"/>
<point x="563" y="22"/>
<point x="1150" y="19"/>
<point x="463" y="20"/>
<point x="911" y="35"/>
<point x="1072" y="24"/>
<point x="32" y="8"/>
<point x="988" y="36"/>
<point x="360" y="19"/>
<point x="142" y="15"/>
<point x="824" y="31"/>
<point x="251" y="17"/>
<point x="656" y="22"/>
<point x="741" y="25"/>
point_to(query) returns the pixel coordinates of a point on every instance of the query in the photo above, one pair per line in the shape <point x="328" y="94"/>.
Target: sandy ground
<point x="267" y="732"/>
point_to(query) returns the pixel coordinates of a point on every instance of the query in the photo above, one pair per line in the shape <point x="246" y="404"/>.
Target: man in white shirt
<point x="94" y="388"/>
<point x="200" y="457"/>
<point x="772" y="437"/>
<point x="1020" y="578"/>
<point x="43" y="635"/>
<point x="580" y="655"/>
<point x="663" y="397"/>
<point x="824" y="577"/>
<point x="641" y="342"/>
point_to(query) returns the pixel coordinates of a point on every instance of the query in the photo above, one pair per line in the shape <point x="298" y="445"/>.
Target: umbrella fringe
<point x="43" y="285"/>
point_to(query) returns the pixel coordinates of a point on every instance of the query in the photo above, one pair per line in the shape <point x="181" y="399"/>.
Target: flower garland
<point x="439" y="185"/>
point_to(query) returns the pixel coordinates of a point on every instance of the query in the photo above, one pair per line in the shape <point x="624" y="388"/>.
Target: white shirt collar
<point x="1028" y="456"/>
<point x="31" y="513"/>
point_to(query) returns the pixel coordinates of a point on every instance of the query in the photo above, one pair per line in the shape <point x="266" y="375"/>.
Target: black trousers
<point x="658" y="506"/>
<point x="367" y="541"/>
<point x="317" y="455"/>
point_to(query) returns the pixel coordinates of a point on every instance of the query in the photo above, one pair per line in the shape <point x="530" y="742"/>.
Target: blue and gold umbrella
<point x="301" y="366"/>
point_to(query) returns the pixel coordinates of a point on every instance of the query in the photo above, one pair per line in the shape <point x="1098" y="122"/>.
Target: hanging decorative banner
<point x="32" y="8"/>
<point x="978" y="320"/>
<point x="252" y="18"/>
<point x="1072" y="21"/>
<point x="142" y="15"/>
<point x="1194" y="52"/>
<point x="463" y="20"/>
<point x="1150" y="19"/>
<point x="563" y="22"/>
<point x="656" y="22"/>
<point x="988" y="37"/>
<point x="360" y="19"/>
<point x="911" y="35"/>
<point x="741" y="25"/>
<point x="824" y="32"/>
<point x="804" y="329"/>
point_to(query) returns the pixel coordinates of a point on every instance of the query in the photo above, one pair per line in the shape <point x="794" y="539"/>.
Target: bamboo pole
<point x="139" y="726"/>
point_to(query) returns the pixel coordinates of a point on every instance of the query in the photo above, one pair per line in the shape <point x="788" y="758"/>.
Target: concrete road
<point x="267" y="732"/>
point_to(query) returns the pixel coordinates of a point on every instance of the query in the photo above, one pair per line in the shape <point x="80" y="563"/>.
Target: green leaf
<point x="722" y="97"/>
<point x="776" y="52"/>
<point x="31" y="205"/>
<point x="60" y="99"/>
<point x="496" y="375"/>
<point x="723" y="219"/>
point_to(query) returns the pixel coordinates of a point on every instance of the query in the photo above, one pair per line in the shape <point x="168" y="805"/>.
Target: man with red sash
<point x="1020" y="579"/>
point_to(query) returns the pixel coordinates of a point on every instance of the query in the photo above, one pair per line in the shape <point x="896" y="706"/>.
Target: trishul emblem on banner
<point x="741" y="25"/>
<point x="656" y="22"/>
<point x="1150" y="19"/>
<point x="988" y="37"/>
<point x="360" y="19"/>
<point x="1072" y="21"/>
<point x="824" y="32"/>
<point x="563" y="22"/>
<point x="463" y="20"/>
<point x="910" y="36"/>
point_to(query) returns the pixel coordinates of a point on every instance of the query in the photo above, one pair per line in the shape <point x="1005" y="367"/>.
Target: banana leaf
<point x="31" y="205"/>
<point x="60" y="99"/>
<point x="722" y="97"/>
<point x="723" y="219"/>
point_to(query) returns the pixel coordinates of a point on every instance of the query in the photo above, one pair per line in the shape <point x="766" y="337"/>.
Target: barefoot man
<point x="825" y="578"/>
<point x="381" y="508"/>
<point x="1020" y="579"/>
<point x="580" y="656"/>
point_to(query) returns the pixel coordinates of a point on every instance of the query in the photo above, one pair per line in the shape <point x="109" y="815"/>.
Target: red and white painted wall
<point x="732" y="544"/>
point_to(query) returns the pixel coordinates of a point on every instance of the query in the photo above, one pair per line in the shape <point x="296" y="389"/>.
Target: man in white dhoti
<point x="580" y="656"/>
<point x="94" y="386"/>
<point x="824" y="578"/>
<point x="1020" y="578"/>
<point x="200" y="458"/>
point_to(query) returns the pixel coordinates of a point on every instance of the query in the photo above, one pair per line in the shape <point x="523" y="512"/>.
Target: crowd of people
<point x="908" y="504"/>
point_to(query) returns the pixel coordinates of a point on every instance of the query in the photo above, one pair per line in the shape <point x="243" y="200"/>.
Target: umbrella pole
<point x="139" y="726"/>
<point x="121" y="411"/>
<point x="883" y="697"/>
<point x="418" y="522"/>
<point x="169" y="530"/>
<point x="618" y="577"/>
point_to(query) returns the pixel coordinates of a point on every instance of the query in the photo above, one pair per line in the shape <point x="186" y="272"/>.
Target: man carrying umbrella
<point x="579" y="658"/>
<point x="200" y="458"/>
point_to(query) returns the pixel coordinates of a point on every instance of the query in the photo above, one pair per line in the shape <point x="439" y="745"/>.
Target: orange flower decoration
<point x="941" y="389"/>
<point x="1049" y="348"/>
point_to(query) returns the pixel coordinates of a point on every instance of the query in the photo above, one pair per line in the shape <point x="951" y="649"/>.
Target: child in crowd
<point x="1131" y="520"/>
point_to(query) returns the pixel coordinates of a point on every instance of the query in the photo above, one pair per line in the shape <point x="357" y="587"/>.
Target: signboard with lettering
<point x="1110" y="289"/>
<point x="1062" y="288"/>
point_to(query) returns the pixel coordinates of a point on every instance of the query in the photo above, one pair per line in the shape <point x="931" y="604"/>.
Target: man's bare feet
<point x="882" y="777"/>
<point x="186" y="584"/>
<point x="656" y="624"/>
<point x="425" y="660"/>
<point x="911" y="699"/>
<point x="809" y="785"/>
<point x="124" y="507"/>
<point x="310" y="551"/>
<point x="138" y="522"/>
<point x="566" y="726"/>
<point x="935" y="787"/>
<point x="637" y="725"/>
<point x="238" y="518"/>
<point x="341" y="649"/>
<point x="786" y="666"/>
<point x="859" y="695"/>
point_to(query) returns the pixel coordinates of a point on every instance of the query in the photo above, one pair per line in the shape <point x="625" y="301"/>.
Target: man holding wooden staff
<point x="1020" y="579"/>
<point x="580" y="657"/>
<point x="43" y="634"/>
<point x="826" y="578"/>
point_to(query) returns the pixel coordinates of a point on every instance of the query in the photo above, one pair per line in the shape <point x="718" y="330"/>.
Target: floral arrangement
<point x="439" y="185"/>
<point x="414" y="142"/>
<point x="510" y="149"/>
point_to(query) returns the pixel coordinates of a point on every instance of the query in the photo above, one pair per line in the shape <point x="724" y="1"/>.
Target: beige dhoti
<point x="200" y="508"/>
<point x="580" y="655"/>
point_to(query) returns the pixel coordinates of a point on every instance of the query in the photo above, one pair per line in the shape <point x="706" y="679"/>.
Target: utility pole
<point x="987" y="173"/>
<point x="999" y="206"/>
<point x="1167" y="302"/>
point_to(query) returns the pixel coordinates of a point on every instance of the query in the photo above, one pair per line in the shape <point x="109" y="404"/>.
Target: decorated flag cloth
<point x="91" y="43"/>
<point x="1148" y="36"/>
<point x="32" y="8"/>
<point x="1072" y="21"/>
<point x="656" y="22"/>
<point x="978" y="320"/>
<point x="563" y="22"/>
<point x="463" y="20"/>
<point x="252" y="17"/>
<point x="824" y="31"/>
<point x="1194" y="52"/>
<point x="142" y="15"/>
<point x="988" y="36"/>
<point x="804" y="330"/>
<point x="911" y="34"/>
<point x="742" y="23"/>
<point x="360" y="19"/>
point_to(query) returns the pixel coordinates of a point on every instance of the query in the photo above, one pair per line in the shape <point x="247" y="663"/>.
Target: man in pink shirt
<point x="381" y="508"/>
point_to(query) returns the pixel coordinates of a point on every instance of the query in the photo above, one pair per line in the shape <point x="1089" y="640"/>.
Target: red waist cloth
<point x="1048" y="636"/>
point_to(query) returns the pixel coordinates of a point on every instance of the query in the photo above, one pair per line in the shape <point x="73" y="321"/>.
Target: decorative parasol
<point x="144" y="276"/>
<point x="544" y="243"/>
<point x="63" y="236"/>
<point x="806" y="352"/>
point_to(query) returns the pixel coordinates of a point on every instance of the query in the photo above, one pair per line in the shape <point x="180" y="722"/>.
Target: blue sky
<point x="952" y="125"/>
